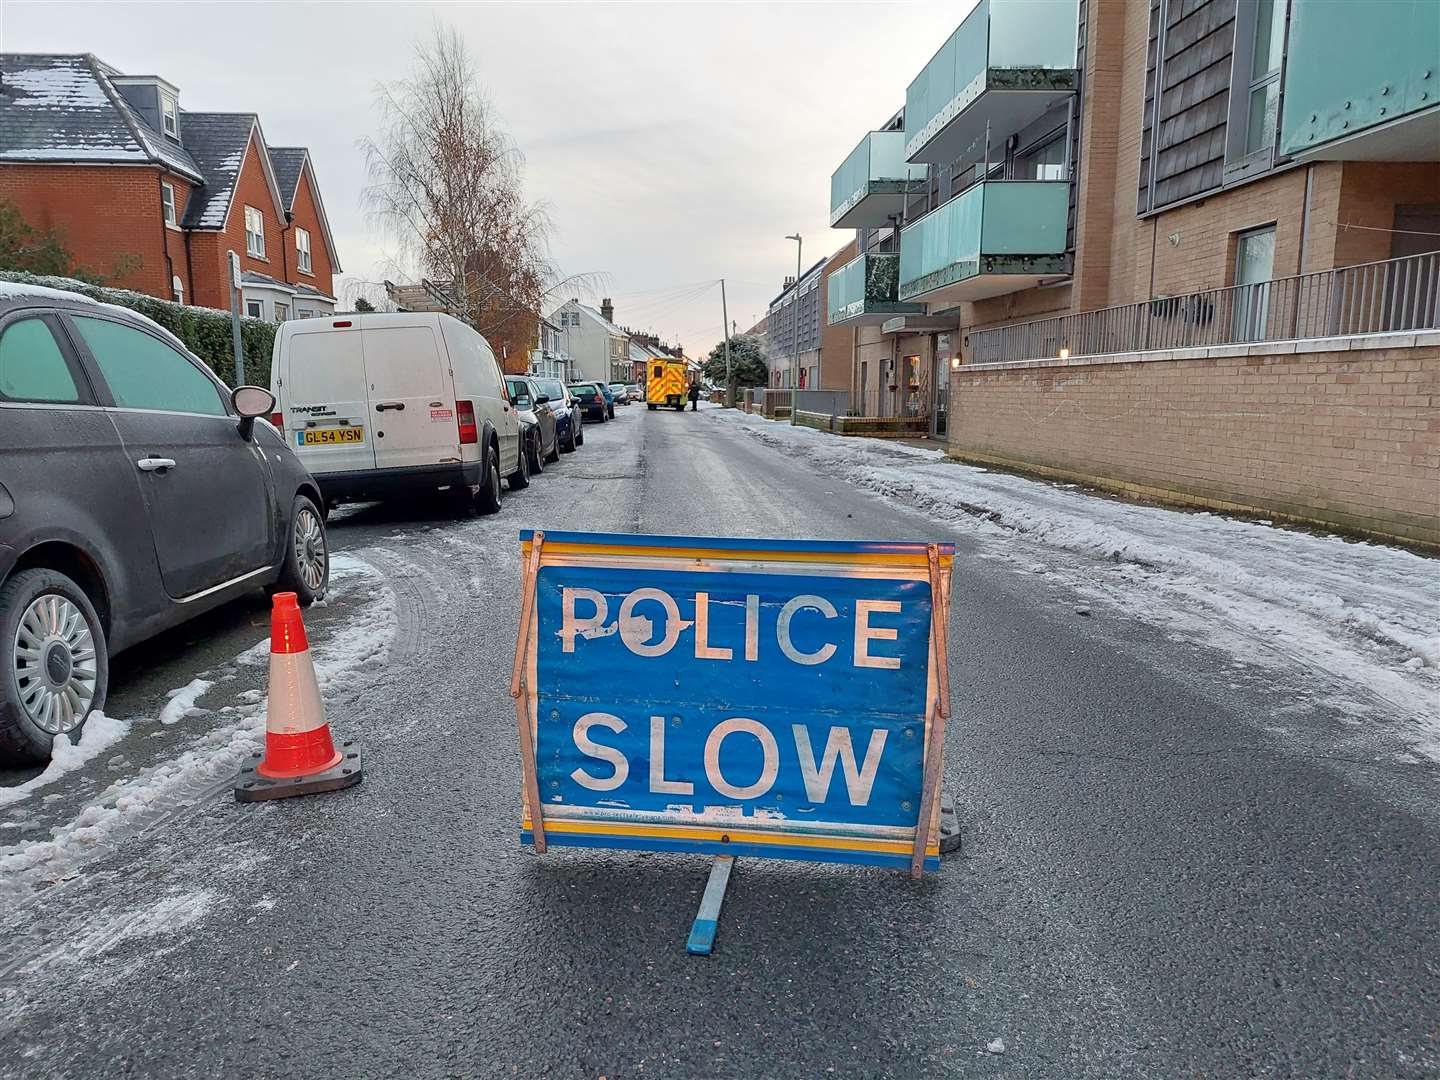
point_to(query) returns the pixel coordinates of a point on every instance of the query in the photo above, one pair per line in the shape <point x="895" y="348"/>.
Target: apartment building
<point x="155" y="196"/>
<point x="1145" y="178"/>
<point x="796" y="319"/>
<point x="1063" y="156"/>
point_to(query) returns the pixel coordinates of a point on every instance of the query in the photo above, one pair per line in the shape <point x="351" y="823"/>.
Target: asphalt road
<point x="1154" y="883"/>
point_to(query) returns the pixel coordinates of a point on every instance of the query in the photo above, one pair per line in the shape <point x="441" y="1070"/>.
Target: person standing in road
<point x="694" y="397"/>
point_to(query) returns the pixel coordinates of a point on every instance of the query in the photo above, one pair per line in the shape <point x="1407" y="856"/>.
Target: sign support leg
<point x="517" y="691"/>
<point x="707" y="919"/>
<point x="935" y="746"/>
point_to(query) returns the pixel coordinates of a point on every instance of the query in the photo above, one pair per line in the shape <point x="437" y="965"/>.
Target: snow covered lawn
<point x="1360" y="618"/>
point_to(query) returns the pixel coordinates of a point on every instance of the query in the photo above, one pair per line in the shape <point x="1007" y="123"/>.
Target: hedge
<point x="205" y="331"/>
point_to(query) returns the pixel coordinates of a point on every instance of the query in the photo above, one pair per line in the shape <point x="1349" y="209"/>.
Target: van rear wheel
<point x="487" y="501"/>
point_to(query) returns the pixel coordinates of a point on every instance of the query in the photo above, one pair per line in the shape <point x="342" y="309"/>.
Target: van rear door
<point x="321" y="387"/>
<point x="412" y="400"/>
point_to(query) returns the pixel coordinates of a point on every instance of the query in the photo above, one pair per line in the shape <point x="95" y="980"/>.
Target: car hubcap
<point x="54" y="663"/>
<point x="310" y="548"/>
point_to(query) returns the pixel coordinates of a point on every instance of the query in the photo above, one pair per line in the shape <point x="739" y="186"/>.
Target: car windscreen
<point x="554" y="389"/>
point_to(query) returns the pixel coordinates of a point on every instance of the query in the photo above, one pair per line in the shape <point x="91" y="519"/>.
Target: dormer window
<point x="170" y="116"/>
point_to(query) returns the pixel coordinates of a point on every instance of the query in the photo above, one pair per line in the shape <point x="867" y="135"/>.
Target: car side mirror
<point x="543" y="399"/>
<point x="250" y="402"/>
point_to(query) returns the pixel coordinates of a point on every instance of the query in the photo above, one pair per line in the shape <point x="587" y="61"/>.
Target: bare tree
<point x="446" y="184"/>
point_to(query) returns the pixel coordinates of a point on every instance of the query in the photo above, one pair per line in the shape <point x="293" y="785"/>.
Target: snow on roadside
<point x="361" y="642"/>
<point x="183" y="700"/>
<point x="1362" y="613"/>
<point x="99" y="734"/>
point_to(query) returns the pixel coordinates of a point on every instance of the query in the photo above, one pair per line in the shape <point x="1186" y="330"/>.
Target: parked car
<point x="633" y="391"/>
<point x="402" y="403"/>
<point x="609" y="399"/>
<point x="593" y="405"/>
<point x="568" y="423"/>
<point x="138" y="491"/>
<point x="620" y="392"/>
<point x="537" y="422"/>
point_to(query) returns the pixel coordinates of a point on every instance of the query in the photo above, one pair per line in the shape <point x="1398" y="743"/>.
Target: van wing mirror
<point x="542" y="399"/>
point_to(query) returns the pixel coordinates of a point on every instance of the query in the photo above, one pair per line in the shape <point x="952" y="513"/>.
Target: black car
<point x="538" y="433"/>
<point x="591" y="397"/>
<point x="567" y="413"/>
<point x="137" y="491"/>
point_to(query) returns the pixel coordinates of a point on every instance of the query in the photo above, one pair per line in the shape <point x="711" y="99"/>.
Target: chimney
<point x="789" y="280"/>
<point x="607" y="310"/>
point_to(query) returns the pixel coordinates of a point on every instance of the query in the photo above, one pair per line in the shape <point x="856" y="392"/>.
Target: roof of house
<point x="805" y="277"/>
<point x="605" y="323"/>
<point x="65" y="108"/>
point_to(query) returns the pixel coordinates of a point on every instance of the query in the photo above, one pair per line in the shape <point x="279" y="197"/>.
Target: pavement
<point x="1158" y="879"/>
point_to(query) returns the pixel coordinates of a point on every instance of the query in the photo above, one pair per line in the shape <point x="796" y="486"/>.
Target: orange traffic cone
<point x="300" y="758"/>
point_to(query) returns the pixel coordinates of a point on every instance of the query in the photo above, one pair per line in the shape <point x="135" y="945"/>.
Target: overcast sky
<point x="674" y="144"/>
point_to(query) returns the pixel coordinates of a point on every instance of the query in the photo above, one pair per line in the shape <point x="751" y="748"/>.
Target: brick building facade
<point x="153" y="197"/>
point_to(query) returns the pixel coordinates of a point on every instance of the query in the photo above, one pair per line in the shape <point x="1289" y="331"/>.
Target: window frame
<point x="1240" y="162"/>
<point x="259" y="309"/>
<point x="255" y="250"/>
<point x="303" y="260"/>
<point x="276" y="307"/>
<point x="105" y="397"/>
<point x="168" y="209"/>
<point x="170" y="116"/>
<point x="83" y="386"/>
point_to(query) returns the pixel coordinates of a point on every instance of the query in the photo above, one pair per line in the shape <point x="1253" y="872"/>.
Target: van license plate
<point x="330" y="436"/>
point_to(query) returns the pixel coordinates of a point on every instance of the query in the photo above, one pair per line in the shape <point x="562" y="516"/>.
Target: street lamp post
<point x="795" y="325"/>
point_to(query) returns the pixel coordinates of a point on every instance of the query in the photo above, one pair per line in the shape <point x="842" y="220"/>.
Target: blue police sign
<point x="731" y="697"/>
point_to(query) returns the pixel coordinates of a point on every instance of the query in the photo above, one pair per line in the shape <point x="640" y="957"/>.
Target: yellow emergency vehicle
<point x="668" y="384"/>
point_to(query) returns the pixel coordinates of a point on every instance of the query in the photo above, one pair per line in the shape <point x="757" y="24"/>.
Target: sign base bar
<point x="707" y="919"/>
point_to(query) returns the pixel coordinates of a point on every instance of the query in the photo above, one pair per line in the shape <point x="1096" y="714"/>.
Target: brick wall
<point x="208" y="249"/>
<point x="102" y="212"/>
<point x="836" y="342"/>
<point x="1345" y="438"/>
<point x="307" y="216"/>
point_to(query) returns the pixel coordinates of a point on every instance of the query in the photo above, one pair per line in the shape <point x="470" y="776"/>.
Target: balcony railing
<point x="870" y="186"/>
<point x="865" y="290"/>
<point x="999" y="236"/>
<point x="1007" y="64"/>
<point x="1352" y="66"/>
<point x="1372" y="298"/>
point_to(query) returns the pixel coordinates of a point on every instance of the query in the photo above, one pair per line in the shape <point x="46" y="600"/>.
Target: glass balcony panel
<point x="999" y="236"/>
<point x="1006" y="64"/>
<point x="1355" y="67"/>
<point x="871" y="184"/>
<point x="863" y="291"/>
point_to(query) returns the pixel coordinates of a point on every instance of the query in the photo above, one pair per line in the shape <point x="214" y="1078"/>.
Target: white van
<point x="378" y="405"/>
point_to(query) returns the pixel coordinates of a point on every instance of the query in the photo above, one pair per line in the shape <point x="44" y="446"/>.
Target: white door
<point x="321" y="387"/>
<point x="412" y="406"/>
<point x="1254" y="267"/>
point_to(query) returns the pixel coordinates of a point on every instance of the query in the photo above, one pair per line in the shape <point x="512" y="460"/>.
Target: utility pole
<point x="795" y="325"/>
<point x="235" y="317"/>
<point x="725" y="329"/>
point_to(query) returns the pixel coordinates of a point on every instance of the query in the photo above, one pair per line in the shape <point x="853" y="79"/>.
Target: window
<point x="170" y="116"/>
<point x="167" y="200"/>
<point x="254" y="232"/>
<point x="1254" y="267"/>
<point x="302" y="249"/>
<point x="255" y="309"/>
<point x="304" y="313"/>
<point x="282" y="311"/>
<point x="145" y="373"/>
<point x="32" y="367"/>
<point x="1255" y="86"/>
<point x="1045" y="161"/>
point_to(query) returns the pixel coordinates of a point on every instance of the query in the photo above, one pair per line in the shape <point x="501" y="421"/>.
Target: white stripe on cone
<point x="295" y="705"/>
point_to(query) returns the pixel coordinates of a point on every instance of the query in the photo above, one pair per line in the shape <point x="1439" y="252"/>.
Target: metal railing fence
<point x="1371" y="298"/>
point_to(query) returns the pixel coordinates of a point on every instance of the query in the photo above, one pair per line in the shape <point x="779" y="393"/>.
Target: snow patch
<point x="182" y="700"/>
<point x="99" y="734"/>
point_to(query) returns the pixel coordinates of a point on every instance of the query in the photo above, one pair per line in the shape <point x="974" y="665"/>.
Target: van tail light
<point x="465" y="420"/>
<point x="278" y="419"/>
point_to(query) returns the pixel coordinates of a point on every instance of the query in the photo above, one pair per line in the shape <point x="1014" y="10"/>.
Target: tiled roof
<point x="64" y="108"/>
<point x="217" y="141"/>
<point x="288" y="161"/>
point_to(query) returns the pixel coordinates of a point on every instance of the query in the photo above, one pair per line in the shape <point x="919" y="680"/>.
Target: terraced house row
<point x="153" y="196"/>
<point x="1182" y="248"/>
